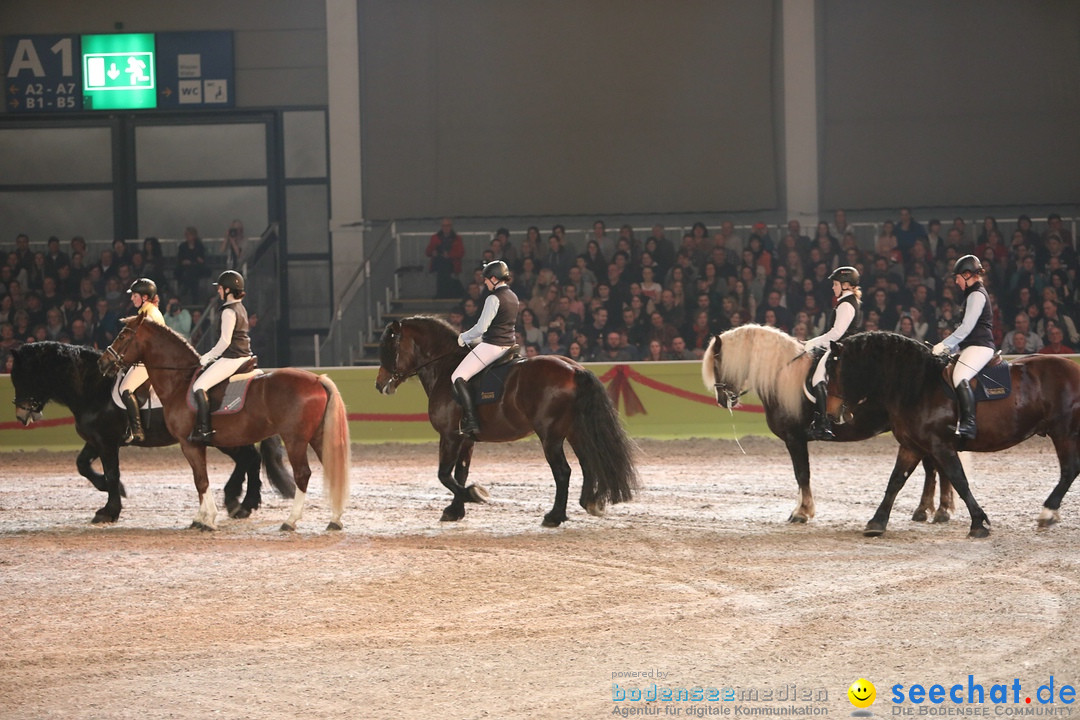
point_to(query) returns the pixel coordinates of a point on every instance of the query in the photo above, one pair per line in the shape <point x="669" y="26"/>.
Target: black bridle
<point x="116" y="357"/>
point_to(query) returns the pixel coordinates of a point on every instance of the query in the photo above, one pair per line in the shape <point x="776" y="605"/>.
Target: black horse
<point x="69" y="375"/>
<point x="908" y="381"/>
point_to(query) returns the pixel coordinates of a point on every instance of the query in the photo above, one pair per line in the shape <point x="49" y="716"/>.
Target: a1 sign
<point x="43" y="74"/>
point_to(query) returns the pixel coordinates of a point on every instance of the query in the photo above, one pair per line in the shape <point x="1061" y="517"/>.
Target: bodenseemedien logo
<point x="862" y="694"/>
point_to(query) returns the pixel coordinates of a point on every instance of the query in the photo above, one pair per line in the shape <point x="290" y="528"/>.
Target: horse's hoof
<point x="240" y="513"/>
<point x="450" y="514"/>
<point x="232" y="505"/>
<point x="874" y="529"/>
<point x="793" y="518"/>
<point x="1044" y="523"/>
<point x="334" y="526"/>
<point x="942" y="516"/>
<point x="100" y="518"/>
<point x="919" y="516"/>
<point x="551" y="522"/>
<point x="196" y="525"/>
<point x="979" y="532"/>
<point x="207" y="528"/>
<point x="594" y="509"/>
<point x="478" y="493"/>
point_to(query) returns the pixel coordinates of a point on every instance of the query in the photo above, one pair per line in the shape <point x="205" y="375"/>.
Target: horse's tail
<point x="272" y="451"/>
<point x="335" y="450"/>
<point x="603" y="448"/>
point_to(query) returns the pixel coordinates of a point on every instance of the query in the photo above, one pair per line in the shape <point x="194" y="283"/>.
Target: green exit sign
<point x="119" y="71"/>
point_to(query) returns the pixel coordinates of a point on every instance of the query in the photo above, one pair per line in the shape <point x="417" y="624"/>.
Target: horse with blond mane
<point x="774" y="366"/>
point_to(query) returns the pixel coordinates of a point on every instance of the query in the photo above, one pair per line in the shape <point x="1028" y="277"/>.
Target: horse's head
<point x="29" y="400"/>
<point x="395" y="367"/>
<point x="125" y="350"/>
<point x="727" y="394"/>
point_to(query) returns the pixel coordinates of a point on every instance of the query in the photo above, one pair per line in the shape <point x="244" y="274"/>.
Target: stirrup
<point x="201" y="436"/>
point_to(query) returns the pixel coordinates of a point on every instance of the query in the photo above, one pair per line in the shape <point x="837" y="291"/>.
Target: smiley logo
<point x="862" y="693"/>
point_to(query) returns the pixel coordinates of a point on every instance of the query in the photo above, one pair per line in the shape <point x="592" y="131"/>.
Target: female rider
<point x="846" y="319"/>
<point x="144" y="297"/>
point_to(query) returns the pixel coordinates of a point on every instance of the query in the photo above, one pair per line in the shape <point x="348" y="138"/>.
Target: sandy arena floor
<point x="701" y="582"/>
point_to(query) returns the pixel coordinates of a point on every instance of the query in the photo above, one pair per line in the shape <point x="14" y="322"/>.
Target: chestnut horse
<point x="551" y="396"/>
<point x="303" y="408"/>
<point x="772" y="364"/>
<point x="69" y="375"/>
<point x="902" y="376"/>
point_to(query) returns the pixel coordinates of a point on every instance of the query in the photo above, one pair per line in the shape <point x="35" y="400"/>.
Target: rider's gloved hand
<point x="461" y="340"/>
<point x="940" y="349"/>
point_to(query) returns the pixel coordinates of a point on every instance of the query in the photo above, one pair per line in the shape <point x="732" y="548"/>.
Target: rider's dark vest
<point x="982" y="335"/>
<point x="240" y="345"/>
<point x="501" y="330"/>
<point x="856" y="322"/>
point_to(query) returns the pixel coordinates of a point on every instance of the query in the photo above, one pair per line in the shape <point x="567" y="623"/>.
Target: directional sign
<point x="42" y="74"/>
<point x="119" y="71"/>
<point x="195" y="70"/>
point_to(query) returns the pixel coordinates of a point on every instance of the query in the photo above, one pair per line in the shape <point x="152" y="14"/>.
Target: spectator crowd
<point x="622" y="298"/>
<point x="61" y="293"/>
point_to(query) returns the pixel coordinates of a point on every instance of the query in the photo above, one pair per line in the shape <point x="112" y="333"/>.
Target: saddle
<point x="487" y="385"/>
<point x="993" y="382"/>
<point x="144" y="395"/>
<point x="229" y="395"/>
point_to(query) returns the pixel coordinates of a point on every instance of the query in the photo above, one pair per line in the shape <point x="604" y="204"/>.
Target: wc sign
<point x="119" y="71"/>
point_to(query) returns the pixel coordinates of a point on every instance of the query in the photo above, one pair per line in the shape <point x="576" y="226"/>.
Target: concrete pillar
<point x="801" y="156"/>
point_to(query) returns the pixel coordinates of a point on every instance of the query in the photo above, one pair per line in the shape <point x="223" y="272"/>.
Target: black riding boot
<point x="821" y="425"/>
<point x="202" y="432"/>
<point x="965" y="399"/>
<point x="135" y="430"/>
<point x="469" y="426"/>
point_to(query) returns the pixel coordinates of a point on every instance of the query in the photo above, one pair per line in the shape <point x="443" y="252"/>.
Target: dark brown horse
<point x="905" y="378"/>
<point x="303" y="408"/>
<point x="551" y="396"/>
<point x="772" y="364"/>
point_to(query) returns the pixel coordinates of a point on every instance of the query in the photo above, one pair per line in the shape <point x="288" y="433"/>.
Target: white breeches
<point x="135" y="377"/>
<point x="819" y="371"/>
<point x="478" y="358"/>
<point x="972" y="359"/>
<point x="217" y="371"/>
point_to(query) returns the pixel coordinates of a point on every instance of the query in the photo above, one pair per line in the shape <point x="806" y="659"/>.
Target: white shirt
<point x="845" y="314"/>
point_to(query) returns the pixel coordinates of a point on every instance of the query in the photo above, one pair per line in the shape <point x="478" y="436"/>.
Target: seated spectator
<point x="1052" y="317"/>
<point x="528" y="327"/>
<point x="655" y="351"/>
<point x="553" y="344"/>
<point x="574" y="352"/>
<point x="1056" y="344"/>
<point x="679" y="351"/>
<point x="1015" y="344"/>
<point x="615" y="349"/>
<point x="1032" y="342"/>
<point x="661" y="330"/>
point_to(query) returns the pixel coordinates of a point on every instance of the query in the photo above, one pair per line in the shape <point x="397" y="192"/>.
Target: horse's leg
<point x="1068" y="452"/>
<point x="560" y="469"/>
<point x="206" y="518"/>
<point x="247" y="463"/>
<point x="800" y="461"/>
<point x="110" y="463"/>
<point x="906" y="461"/>
<point x="476" y="493"/>
<point x="84" y="464"/>
<point x="952" y="469"/>
<point x="926" y="501"/>
<point x="450" y="454"/>
<point x="297" y="450"/>
<point x="235" y="484"/>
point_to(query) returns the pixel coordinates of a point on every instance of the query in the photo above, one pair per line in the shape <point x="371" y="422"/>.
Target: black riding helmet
<point x="969" y="264"/>
<point x="497" y="270"/>
<point x="845" y="274"/>
<point x="144" y="286"/>
<point x="233" y="282"/>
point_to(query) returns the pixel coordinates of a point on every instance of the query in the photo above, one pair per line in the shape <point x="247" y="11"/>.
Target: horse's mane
<point x="58" y="371"/>
<point x="440" y="337"/>
<point x="167" y="331"/>
<point x="764" y="360"/>
<point x="886" y="367"/>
